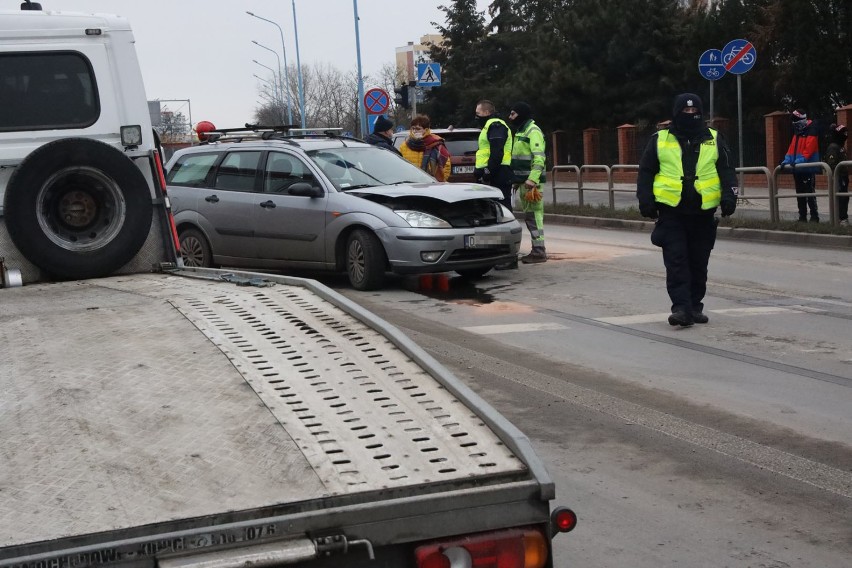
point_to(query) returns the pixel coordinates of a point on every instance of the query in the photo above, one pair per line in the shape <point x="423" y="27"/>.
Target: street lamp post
<point x="273" y="77"/>
<point x="299" y="68"/>
<point x="267" y="81"/>
<point x="286" y="72"/>
<point x="361" y="111"/>
<point x="280" y="85"/>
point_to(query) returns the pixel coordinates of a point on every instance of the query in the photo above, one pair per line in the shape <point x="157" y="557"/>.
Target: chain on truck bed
<point x="117" y="411"/>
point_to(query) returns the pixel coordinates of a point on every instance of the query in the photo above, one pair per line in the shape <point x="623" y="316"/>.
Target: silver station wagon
<point x="274" y="200"/>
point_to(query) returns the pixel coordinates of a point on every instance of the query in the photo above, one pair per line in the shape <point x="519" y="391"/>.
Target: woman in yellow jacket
<point x="425" y="150"/>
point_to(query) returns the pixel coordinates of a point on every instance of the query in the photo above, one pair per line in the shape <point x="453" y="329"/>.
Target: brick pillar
<point x="778" y="133"/>
<point x="627" y="151"/>
<point x="844" y="116"/>
<point x="591" y="146"/>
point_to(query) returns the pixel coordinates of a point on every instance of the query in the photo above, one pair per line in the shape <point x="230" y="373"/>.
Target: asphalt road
<point x="726" y="444"/>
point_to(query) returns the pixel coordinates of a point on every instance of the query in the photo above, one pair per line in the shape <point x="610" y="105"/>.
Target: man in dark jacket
<point x="382" y="135"/>
<point x="685" y="172"/>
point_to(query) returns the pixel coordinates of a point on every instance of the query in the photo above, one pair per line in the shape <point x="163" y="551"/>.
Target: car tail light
<point x="516" y="548"/>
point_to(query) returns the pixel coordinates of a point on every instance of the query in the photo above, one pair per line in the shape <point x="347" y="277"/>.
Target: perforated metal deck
<point x="108" y="425"/>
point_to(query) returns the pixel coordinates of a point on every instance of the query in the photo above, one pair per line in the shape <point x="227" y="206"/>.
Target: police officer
<point x="494" y="155"/>
<point x="686" y="172"/>
<point x="528" y="164"/>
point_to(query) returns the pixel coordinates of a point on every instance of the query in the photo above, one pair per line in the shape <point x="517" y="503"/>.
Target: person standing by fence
<point x="804" y="148"/>
<point x="528" y="165"/>
<point x="684" y="174"/>
<point x="834" y="154"/>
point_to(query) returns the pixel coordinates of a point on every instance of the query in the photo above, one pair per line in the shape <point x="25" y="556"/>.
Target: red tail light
<point x="515" y="548"/>
<point x="563" y="520"/>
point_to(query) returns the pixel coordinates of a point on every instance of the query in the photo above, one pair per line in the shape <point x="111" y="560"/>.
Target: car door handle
<point x="268" y="204"/>
<point x="212" y="199"/>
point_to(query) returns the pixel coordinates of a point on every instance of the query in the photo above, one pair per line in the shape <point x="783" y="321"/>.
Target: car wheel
<point x="365" y="260"/>
<point x="474" y="273"/>
<point x="194" y="249"/>
<point x="78" y="208"/>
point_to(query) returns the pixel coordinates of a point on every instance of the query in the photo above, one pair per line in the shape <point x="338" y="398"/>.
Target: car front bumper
<point x="461" y="249"/>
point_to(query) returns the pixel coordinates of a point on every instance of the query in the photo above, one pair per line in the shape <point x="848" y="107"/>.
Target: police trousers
<point x="686" y="241"/>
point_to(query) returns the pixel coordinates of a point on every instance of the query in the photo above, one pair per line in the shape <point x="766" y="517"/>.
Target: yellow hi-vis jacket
<point x="528" y="159"/>
<point x="668" y="183"/>
<point x="483" y="153"/>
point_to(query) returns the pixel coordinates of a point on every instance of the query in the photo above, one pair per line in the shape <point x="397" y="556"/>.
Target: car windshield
<point x="366" y="166"/>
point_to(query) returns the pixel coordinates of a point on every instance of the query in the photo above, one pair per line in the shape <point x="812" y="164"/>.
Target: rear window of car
<point x="459" y="147"/>
<point x="191" y="170"/>
<point x="458" y="143"/>
<point x="47" y="90"/>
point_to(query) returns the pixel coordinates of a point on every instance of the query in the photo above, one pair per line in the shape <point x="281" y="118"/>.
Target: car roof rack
<point x="282" y="132"/>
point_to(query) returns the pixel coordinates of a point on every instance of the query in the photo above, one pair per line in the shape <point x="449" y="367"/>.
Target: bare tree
<point x="174" y="126"/>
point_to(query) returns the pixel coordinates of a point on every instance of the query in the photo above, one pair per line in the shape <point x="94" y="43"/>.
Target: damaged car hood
<point x="448" y="192"/>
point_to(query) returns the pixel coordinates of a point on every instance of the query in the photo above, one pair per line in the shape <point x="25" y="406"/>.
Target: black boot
<point x="681" y="318"/>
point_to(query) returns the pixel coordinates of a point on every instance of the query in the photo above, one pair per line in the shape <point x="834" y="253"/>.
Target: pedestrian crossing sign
<point x="428" y="75"/>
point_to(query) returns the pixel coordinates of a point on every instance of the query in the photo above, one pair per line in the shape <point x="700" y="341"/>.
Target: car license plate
<point x="463" y="169"/>
<point x="469" y="241"/>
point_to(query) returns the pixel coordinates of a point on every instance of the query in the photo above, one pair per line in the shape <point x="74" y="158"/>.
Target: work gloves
<point x="649" y="210"/>
<point x="728" y="207"/>
<point x="479" y="175"/>
<point x="532" y="194"/>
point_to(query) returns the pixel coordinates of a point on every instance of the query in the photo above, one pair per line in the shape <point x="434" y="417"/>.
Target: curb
<point x="755" y="235"/>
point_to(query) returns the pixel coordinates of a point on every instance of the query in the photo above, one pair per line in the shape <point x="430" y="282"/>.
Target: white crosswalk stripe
<point x="513" y="328"/>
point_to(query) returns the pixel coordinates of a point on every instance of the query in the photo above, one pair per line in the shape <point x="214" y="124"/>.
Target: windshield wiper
<point x="359" y="186"/>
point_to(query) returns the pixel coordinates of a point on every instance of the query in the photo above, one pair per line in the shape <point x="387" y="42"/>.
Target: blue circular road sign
<point x="739" y="56"/>
<point x="710" y="65"/>
<point x="376" y="101"/>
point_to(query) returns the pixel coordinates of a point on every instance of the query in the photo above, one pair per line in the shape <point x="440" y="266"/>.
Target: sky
<point x="202" y="50"/>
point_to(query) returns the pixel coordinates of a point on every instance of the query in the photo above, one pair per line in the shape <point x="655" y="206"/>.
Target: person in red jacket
<point x="804" y="148"/>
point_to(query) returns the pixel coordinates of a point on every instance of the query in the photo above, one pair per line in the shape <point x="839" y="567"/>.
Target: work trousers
<point x="533" y="218"/>
<point x="686" y="241"/>
<point x="806" y="183"/>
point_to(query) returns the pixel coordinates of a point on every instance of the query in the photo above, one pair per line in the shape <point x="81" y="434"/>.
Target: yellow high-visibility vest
<point x="668" y="183"/>
<point x="484" y="150"/>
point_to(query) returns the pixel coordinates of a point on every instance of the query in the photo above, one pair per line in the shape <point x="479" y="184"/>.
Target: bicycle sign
<point x="710" y="65"/>
<point x="739" y="56"/>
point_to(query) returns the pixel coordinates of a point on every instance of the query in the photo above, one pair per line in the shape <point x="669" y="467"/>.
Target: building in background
<point x="410" y="55"/>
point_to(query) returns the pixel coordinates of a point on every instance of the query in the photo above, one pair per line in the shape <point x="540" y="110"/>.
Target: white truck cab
<point x="75" y="144"/>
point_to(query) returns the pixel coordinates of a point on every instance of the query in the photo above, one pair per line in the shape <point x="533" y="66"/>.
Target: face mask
<point x="688" y="123"/>
<point x="481" y="120"/>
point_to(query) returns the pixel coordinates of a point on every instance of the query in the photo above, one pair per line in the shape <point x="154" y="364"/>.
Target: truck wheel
<point x="194" y="249"/>
<point x="365" y="260"/>
<point x="78" y="208"/>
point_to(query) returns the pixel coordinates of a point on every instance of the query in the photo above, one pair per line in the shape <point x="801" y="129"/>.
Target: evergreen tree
<point x="460" y="56"/>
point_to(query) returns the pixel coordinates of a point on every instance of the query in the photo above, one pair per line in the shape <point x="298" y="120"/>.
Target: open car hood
<point x="448" y="192"/>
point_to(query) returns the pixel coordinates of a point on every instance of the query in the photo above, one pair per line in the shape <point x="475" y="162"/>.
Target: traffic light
<point x="402" y="99"/>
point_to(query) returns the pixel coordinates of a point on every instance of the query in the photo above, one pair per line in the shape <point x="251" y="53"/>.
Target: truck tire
<point x="194" y="249"/>
<point x="365" y="260"/>
<point x="78" y="208"/>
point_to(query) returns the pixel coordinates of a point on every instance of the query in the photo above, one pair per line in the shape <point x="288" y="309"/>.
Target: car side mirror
<point x="304" y="189"/>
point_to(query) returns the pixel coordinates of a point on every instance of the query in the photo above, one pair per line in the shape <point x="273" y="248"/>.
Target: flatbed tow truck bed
<point x="155" y="413"/>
